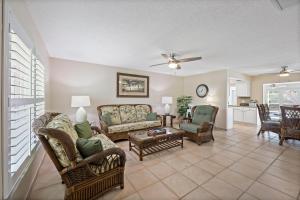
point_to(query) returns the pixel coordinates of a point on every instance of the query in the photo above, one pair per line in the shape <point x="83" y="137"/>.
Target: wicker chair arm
<point x="205" y="127"/>
<point x="63" y="138"/>
<point x="96" y="130"/>
<point x="99" y="159"/>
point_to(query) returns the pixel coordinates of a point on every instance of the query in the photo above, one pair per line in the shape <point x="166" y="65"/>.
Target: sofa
<point x="85" y="178"/>
<point x="200" y="128"/>
<point x="117" y="120"/>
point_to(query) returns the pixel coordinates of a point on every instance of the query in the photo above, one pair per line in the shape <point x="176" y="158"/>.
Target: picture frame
<point x="132" y="85"/>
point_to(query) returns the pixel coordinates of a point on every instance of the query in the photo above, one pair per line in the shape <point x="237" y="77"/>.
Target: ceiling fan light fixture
<point x="284" y="74"/>
<point x="173" y="65"/>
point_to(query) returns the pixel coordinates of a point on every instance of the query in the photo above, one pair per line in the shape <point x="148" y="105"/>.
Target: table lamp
<point x="167" y="101"/>
<point x="80" y="102"/>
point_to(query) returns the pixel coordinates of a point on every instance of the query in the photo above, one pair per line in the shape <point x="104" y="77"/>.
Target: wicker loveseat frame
<point x="118" y="135"/>
<point x="80" y="180"/>
<point x="204" y="132"/>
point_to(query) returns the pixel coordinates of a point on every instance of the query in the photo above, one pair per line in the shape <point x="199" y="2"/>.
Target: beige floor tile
<point x="157" y="191"/>
<point x="221" y="160"/>
<point x="235" y="179"/>
<point x="197" y="174"/>
<point x="261" y="158"/>
<point x="133" y="168"/>
<point x="56" y="191"/>
<point x="178" y="163"/>
<point x="262" y="191"/>
<point x="199" y="194"/>
<point x="210" y="166"/>
<point x="246" y="170"/>
<point x="239" y="150"/>
<point x="230" y="155"/>
<point x="287" y="166"/>
<point x="254" y="163"/>
<point x="221" y="189"/>
<point x="192" y="158"/>
<point x="279" y="184"/>
<point x="161" y="170"/>
<point x="284" y="174"/>
<point x="246" y="196"/>
<point x="151" y="162"/>
<point x="134" y="196"/>
<point x="179" y="184"/>
<point x="141" y="179"/>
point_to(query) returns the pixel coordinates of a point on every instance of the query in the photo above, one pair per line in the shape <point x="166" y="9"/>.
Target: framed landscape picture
<point x="132" y="85"/>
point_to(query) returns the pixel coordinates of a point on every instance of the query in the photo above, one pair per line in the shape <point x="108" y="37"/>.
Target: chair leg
<point x="281" y="141"/>
<point x="259" y="132"/>
<point x="212" y="137"/>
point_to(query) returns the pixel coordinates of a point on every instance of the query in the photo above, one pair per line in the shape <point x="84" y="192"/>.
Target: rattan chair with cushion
<point x="85" y="178"/>
<point x="267" y="124"/>
<point x="200" y="129"/>
<point x="290" y="126"/>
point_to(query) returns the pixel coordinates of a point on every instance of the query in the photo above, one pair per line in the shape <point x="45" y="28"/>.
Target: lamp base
<point x="81" y="115"/>
<point x="167" y="109"/>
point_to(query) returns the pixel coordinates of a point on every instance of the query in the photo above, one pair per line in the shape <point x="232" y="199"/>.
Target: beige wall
<point x="69" y="78"/>
<point x="1" y="110"/>
<point x="258" y="81"/>
<point x="217" y="84"/>
<point x="22" y="15"/>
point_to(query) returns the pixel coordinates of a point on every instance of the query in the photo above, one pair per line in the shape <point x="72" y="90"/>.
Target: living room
<point x="185" y="100"/>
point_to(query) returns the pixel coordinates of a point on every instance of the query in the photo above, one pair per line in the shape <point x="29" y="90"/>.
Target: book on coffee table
<point x="156" y="131"/>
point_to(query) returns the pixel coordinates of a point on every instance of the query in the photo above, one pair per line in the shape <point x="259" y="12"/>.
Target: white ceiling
<point x="249" y="36"/>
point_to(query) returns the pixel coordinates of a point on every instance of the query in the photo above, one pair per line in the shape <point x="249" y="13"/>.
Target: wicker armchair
<point x="82" y="182"/>
<point x="267" y="124"/>
<point x="290" y="127"/>
<point x="201" y="132"/>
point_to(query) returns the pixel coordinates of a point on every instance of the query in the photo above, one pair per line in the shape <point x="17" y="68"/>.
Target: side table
<point x="164" y="119"/>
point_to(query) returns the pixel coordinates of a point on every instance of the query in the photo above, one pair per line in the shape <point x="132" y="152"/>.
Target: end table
<point x="164" y="119"/>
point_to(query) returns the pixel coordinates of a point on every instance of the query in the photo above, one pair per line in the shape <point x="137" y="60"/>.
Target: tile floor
<point x="238" y="165"/>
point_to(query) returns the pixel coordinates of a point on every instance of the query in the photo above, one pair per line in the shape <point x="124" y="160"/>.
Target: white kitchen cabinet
<point x="245" y="114"/>
<point x="243" y="89"/>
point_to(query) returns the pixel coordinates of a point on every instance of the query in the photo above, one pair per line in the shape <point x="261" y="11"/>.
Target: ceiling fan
<point x="174" y="63"/>
<point x="285" y="71"/>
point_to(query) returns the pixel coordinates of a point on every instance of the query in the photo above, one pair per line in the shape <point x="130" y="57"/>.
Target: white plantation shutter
<point x="26" y="100"/>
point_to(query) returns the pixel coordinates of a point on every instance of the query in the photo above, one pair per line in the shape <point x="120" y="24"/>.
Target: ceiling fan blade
<point x="189" y="59"/>
<point x="165" y="56"/>
<point x="158" y="64"/>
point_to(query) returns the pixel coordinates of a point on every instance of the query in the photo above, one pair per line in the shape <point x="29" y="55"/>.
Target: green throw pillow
<point x="151" y="116"/>
<point x="107" y="119"/>
<point x="84" y="130"/>
<point x="88" y="147"/>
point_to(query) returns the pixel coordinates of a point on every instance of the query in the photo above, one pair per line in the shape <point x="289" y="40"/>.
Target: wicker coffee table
<point x="143" y="145"/>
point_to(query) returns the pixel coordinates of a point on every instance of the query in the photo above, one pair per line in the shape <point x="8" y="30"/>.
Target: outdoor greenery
<point x="183" y="104"/>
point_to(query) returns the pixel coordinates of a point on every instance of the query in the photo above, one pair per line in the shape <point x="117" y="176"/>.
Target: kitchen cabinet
<point x="243" y="88"/>
<point x="245" y="114"/>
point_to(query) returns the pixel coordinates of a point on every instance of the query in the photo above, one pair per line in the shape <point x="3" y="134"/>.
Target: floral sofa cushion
<point x="114" y="114"/>
<point x="141" y="112"/>
<point x="128" y="114"/>
<point x="133" y="126"/>
<point x="63" y="123"/>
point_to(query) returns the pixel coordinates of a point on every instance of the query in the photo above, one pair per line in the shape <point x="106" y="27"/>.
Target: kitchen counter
<point x="242" y="106"/>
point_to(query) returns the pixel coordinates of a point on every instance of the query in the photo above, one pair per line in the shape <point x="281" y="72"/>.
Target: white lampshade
<point x="80" y="101"/>
<point x="167" y="100"/>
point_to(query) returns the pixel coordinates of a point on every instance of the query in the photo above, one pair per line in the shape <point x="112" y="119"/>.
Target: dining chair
<point x="290" y="127"/>
<point x="267" y="124"/>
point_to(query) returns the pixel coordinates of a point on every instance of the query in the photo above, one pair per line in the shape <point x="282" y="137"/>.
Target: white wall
<point x="1" y="110"/>
<point x="217" y="96"/>
<point x="19" y="10"/>
<point x="258" y="81"/>
<point x="69" y="78"/>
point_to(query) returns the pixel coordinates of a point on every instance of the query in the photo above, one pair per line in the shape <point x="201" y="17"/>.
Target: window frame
<point x="10" y="182"/>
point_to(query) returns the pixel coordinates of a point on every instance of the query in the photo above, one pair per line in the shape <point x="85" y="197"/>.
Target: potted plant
<point x="182" y="105"/>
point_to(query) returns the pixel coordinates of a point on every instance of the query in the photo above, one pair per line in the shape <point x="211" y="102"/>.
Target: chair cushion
<point x="272" y="123"/>
<point x="142" y="111"/>
<point x="190" y="127"/>
<point x="151" y="116"/>
<point x="105" y="141"/>
<point x="63" y="123"/>
<point x="202" y="114"/>
<point x="88" y="147"/>
<point x="114" y="114"/>
<point x="128" y="114"/>
<point x="84" y="130"/>
<point x="133" y="126"/>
